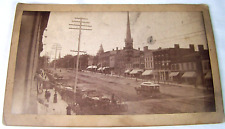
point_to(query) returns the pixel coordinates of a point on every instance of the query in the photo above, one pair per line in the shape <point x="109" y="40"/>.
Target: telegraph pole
<point x="79" y="24"/>
<point x="56" y="47"/>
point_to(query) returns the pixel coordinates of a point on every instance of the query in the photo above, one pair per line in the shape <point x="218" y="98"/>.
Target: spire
<point x="128" y="27"/>
<point x="128" y="40"/>
<point x="101" y="50"/>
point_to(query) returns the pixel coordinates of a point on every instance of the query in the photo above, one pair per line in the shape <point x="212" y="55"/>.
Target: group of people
<point x="48" y="95"/>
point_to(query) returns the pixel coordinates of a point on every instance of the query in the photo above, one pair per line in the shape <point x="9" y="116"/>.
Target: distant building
<point x="134" y="58"/>
<point x="163" y="58"/>
<point x="180" y="65"/>
<point x="148" y="64"/>
<point x="117" y="63"/>
<point x="91" y="60"/>
<point x="148" y="58"/>
<point x="193" y="68"/>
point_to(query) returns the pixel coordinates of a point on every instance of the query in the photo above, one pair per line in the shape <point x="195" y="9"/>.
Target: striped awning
<point x="99" y="69"/>
<point x="147" y="72"/>
<point x="189" y="75"/>
<point x="105" y="68"/>
<point x="136" y="71"/>
<point x="172" y="74"/>
<point x="92" y="67"/>
<point x="127" y="71"/>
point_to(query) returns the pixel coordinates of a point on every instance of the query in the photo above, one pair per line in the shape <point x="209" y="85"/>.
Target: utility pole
<point x="79" y="24"/>
<point x="56" y="47"/>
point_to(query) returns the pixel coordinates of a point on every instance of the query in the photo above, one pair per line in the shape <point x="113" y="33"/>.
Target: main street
<point x="172" y="99"/>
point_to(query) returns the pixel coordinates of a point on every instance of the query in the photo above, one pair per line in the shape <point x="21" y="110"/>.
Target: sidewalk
<point x="50" y="108"/>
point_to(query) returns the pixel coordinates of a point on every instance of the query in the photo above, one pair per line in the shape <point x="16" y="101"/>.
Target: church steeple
<point x="128" y="40"/>
<point x="101" y="50"/>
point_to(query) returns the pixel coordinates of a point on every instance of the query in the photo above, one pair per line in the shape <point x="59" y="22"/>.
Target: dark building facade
<point x="192" y="68"/>
<point x="30" y="45"/>
<point x="163" y="58"/>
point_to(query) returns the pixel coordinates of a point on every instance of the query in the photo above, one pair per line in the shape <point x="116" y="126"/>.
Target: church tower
<point x="101" y="50"/>
<point x="128" y="41"/>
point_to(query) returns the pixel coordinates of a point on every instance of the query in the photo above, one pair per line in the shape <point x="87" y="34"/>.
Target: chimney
<point x="145" y="48"/>
<point x="200" y="48"/>
<point x="192" y="47"/>
<point x="176" y="46"/>
<point x="139" y="49"/>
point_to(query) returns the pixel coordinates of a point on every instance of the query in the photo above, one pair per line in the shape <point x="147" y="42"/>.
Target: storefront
<point x="189" y="77"/>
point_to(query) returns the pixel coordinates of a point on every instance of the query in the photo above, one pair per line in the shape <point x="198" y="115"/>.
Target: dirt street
<point x="172" y="99"/>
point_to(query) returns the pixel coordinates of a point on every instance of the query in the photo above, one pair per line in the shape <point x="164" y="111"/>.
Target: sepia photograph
<point x="78" y="63"/>
<point x="105" y="63"/>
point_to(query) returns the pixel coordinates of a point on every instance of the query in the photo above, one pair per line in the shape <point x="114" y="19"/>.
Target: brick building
<point x="163" y="58"/>
<point x="148" y="64"/>
<point x="193" y="68"/>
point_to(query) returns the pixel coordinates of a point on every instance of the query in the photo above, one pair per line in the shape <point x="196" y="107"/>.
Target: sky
<point x="109" y="29"/>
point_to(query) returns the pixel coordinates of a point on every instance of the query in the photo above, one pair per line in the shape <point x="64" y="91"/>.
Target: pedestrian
<point x="68" y="110"/>
<point x="55" y="98"/>
<point x="48" y="94"/>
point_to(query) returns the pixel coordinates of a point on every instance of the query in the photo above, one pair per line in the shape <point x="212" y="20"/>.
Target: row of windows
<point x="184" y="66"/>
<point x="149" y="58"/>
<point x="162" y="63"/>
<point x="161" y="56"/>
<point x="148" y="64"/>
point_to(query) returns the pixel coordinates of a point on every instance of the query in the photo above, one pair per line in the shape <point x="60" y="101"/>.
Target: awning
<point x="92" y="67"/>
<point x="147" y="72"/>
<point x="99" y="69"/>
<point x="208" y="75"/>
<point x="172" y="74"/>
<point x="105" y="68"/>
<point x="189" y="75"/>
<point x="89" y="67"/>
<point x="127" y="71"/>
<point x="136" y="71"/>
